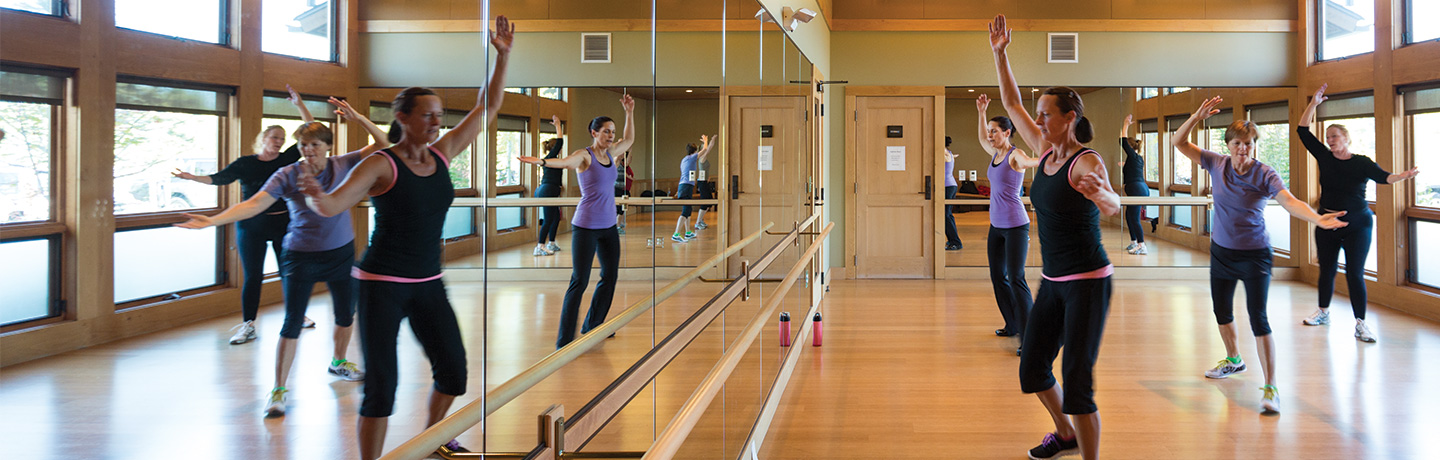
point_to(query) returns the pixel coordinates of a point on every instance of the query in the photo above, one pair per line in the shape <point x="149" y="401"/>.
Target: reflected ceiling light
<point x="689" y="90"/>
<point x="792" y="18"/>
<point x="972" y="90"/>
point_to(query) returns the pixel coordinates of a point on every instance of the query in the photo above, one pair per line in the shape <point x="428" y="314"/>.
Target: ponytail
<point x="1083" y="131"/>
<point x="396" y="132"/>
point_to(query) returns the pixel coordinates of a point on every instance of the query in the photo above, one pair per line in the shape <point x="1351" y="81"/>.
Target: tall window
<point x="1273" y="149"/>
<point x="1356" y="113"/>
<point x="300" y="28"/>
<point x="279" y="111"/>
<point x="1422" y="20"/>
<point x="161" y="127"/>
<point x="1422" y="113"/>
<point x="512" y="142"/>
<point x="1150" y="141"/>
<point x="31" y="102"/>
<point x="1183" y="172"/>
<point x="1347" y="28"/>
<point x="201" y="20"/>
<point x="49" y="7"/>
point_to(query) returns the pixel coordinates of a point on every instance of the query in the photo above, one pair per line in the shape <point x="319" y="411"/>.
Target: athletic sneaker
<point x="347" y="370"/>
<point x="276" y="406"/>
<point x="454" y="446"/>
<point x="1270" y="399"/>
<point x="1139" y="250"/>
<point x="677" y="238"/>
<point x="1321" y="316"/>
<point x="552" y="247"/>
<point x="246" y="333"/>
<point x="690" y="236"/>
<point x="1052" y="447"/>
<point x="620" y="230"/>
<point x="1129" y="248"/>
<point x="701" y="226"/>
<point x="307" y="323"/>
<point x="1362" y="332"/>
<point x="540" y="251"/>
<point x="1226" y="368"/>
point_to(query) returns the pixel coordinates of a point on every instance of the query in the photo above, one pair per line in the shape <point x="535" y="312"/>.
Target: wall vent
<point x="1064" y="48"/>
<point x="595" y="48"/>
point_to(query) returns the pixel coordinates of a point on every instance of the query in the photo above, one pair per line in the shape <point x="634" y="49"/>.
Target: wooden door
<point x="769" y="164"/>
<point x="894" y="153"/>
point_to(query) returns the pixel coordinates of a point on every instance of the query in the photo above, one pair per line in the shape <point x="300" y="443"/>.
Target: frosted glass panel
<point x="1427" y="246"/>
<point x="26" y="284"/>
<point x="163" y="260"/>
<point x="1277" y="223"/>
<point x="458" y="222"/>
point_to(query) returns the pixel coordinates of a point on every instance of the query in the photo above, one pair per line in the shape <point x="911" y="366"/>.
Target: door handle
<point x="928" y="186"/>
<point x="734" y="186"/>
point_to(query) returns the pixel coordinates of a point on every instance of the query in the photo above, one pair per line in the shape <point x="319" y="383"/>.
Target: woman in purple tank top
<point x="594" y="219"/>
<point x="1008" y="243"/>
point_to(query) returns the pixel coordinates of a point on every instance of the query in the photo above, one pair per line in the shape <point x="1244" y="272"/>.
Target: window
<point x="1356" y="113"/>
<point x="300" y="28"/>
<point x="1181" y="216"/>
<point x="551" y="93"/>
<point x="165" y="261"/>
<point x="1273" y="149"/>
<point x="511" y="143"/>
<point x="1426" y="237"/>
<point x="48" y="7"/>
<point x="1150" y="142"/>
<point x="459" y="222"/>
<point x="31" y="279"/>
<point x="202" y="20"/>
<point x="160" y="129"/>
<point x="518" y="90"/>
<point x="1178" y="89"/>
<point x="1422" y="18"/>
<point x="279" y="111"/>
<point x="509" y="217"/>
<point x="1347" y="28"/>
<point x="1422" y="108"/>
<point x="1183" y="173"/>
<point x="1146" y="93"/>
<point x="31" y="102"/>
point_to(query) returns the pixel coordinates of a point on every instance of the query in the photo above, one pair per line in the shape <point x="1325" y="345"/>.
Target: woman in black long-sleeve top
<point x="1133" y="169"/>
<point x="550" y="187"/>
<point x="1343" y="177"/>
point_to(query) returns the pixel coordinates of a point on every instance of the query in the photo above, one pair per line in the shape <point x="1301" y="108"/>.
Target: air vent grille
<point x="595" y="48"/>
<point x="1064" y="47"/>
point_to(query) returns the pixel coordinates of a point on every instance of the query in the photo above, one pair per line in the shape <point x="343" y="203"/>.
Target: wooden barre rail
<point x="669" y="441"/>
<point x="569" y="202"/>
<point x="475" y="412"/>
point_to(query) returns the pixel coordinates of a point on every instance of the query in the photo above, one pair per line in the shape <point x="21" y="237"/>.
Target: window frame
<point x="225" y="38"/>
<point x="1320" y="36"/>
<point x="222" y="263"/>
<point x="54" y="227"/>
<point x="334" y="38"/>
<point x="60" y="8"/>
<point x="1407" y="34"/>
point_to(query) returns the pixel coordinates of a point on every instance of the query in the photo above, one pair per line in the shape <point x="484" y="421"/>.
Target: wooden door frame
<point x="722" y="184"/>
<point x="937" y="95"/>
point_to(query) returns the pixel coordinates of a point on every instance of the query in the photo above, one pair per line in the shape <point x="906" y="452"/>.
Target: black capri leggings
<point x="952" y="234"/>
<point x="1008" y="248"/>
<point x="549" y="214"/>
<point x="585" y="243"/>
<point x="1355" y="240"/>
<point x="382" y="305"/>
<point x="686" y="192"/>
<point x="1230" y="266"/>
<point x="1070" y="314"/>
<point x="302" y="270"/>
<point x="252" y="235"/>
<point x="1132" y="213"/>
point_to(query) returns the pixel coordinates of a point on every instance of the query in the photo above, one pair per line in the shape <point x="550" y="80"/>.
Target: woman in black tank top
<point x="1069" y="193"/>
<point x="400" y="272"/>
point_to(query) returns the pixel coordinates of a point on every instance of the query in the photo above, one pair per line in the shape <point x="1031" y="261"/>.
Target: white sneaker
<point x="552" y="247"/>
<point x="1140" y="250"/>
<point x="1321" y="316"/>
<point x="1225" y="369"/>
<point x="245" y="333"/>
<point x="348" y="371"/>
<point x="1362" y="332"/>
<point x="701" y="226"/>
<point x="1130" y="248"/>
<point x="540" y="251"/>
<point x="276" y="405"/>
<point x="1270" y="399"/>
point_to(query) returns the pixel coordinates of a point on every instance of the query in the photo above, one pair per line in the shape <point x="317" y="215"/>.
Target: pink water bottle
<point x="784" y="328"/>
<point x="818" y="329"/>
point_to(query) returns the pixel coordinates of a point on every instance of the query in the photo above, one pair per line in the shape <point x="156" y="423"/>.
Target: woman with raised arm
<point x="399" y="275"/>
<point x="267" y="228"/>
<point x="1240" y="246"/>
<point x="551" y="184"/>
<point x="594" y="221"/>
<point x="317" y="248"/>
<point x="1133" y="175"/>
<point x="1069" y="193"/>
<point x="952" y="234"/>
<point x="1343" y="177"/>
<point x="689" y="172"/>
<point x="1008" y="244"/>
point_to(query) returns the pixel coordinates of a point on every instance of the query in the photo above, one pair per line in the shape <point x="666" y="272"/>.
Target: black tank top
<point x="409" y="219"/>
<point x="552" y="176"/>
<point x="1069" y="223"/>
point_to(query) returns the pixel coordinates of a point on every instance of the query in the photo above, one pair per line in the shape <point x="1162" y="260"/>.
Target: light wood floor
<point x="633" y="250"/>
<point x="909" y="369"/>
<point x="974" y="229"/>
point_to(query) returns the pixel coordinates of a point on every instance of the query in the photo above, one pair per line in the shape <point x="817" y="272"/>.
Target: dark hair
<point x="316" y="131"/>
<point x="404" y="103"/>
<point x="599" y="123"/>
<point x="1067" y="100"/>
<point x="396" y="132"/>
<point x="1239" y="128"/>
<point x="1005" y="125"/>
<point x="1132" y="142"/>
<point x="691" y="148"/>
<point x="947" y="141"/>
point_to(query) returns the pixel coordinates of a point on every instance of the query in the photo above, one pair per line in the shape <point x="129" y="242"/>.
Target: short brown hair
<point x="316" y="131"/>
<point x="1239" y="128"/>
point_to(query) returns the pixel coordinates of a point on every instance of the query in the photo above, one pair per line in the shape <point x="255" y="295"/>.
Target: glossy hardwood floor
<point x="974" y="227"/>
<point x="909" y="369"/>
<point x="634" y="251"/>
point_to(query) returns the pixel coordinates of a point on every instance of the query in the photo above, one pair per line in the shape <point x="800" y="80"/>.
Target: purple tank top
<point x="950" y="173"/>
<point x="597" y="195"/>
<point x="1006" y="210"/>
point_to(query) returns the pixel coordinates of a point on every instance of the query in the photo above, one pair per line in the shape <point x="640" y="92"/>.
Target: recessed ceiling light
<point x="689" y="90"/>
<point x="971" y="90"/>
<point x="1034" y="89"/>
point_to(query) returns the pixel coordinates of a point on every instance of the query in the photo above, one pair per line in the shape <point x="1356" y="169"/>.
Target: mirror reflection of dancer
<point x="400" y="272"/>
<point x="952" y="234"/>
<point x="623" y="180"/>
<point x="1008" y="244"/>
<point x="1069" y="193"/>
<point x="594" y="222"/>
<point x="705" y="190"/>
<point x="689" y="172"/>
<point x="1133" y="175"/>
<point x="551" y="185"/>
<point x="1240" y="246"/>
<point x="1343" y="177"/>
<point x="317" y="248"/>
<point x="267" y="228"/>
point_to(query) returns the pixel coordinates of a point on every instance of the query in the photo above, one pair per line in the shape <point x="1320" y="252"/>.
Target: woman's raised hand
<point x="294" y="97"/>
<point x="503" y="35"/>
<point x="999" y="34"/>
<point x="628" y="103"/>
<point x="555" y="121"/>
<point x="1319" y="95"/>
<point x="343" y="109"/>
<point x="1208" y="108"/>
<point x="982" y="103"/>
<point x="1129" y="119"/>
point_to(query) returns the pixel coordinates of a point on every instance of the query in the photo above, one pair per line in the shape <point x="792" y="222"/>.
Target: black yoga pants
<point x="1132" y="213"/>
<point x="550" y="214"/>
<point x="1008" y="248"/>
<point x="252" y="235"/>
<point x="302" y="269"/>
<point x="585" y="243"/>
<point x="1069" y="314"/>
<point x="382" y="305"/>
<point x="1355" y="240"/>
<point x="952" y="235"/>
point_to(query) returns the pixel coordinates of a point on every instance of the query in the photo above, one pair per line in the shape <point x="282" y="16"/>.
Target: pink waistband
<point x="1090" y="275"/>
<point x="359" y="274"/>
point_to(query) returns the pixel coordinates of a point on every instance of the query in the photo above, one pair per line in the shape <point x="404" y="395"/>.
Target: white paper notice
<point x="895" y="158"/>
<point x="767" y="157"/>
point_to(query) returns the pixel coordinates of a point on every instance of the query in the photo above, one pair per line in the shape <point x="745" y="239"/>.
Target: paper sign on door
<point x="895" y="158"/>
<point x="767" y="157"/>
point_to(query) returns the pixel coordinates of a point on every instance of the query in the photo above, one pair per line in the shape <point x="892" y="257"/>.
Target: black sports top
<point x="1134" y="170"/>
<point x="1342" y="182"/>
<point x="252" y="172"/>
<point x="551" y="175"/>
<point x="1069" y="222"/>
<point x="409" y="219"/>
